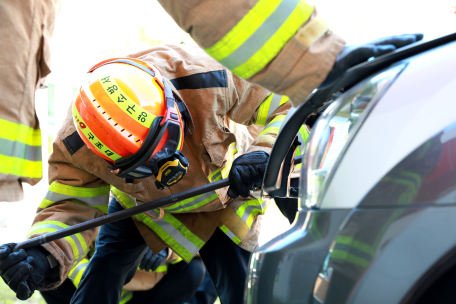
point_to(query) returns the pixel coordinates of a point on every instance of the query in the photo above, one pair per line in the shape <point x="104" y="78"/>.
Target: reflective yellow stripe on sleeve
<point x="125" y="296"/>
<point x="268" y="106"/>
<point x="230" y="234"/>
<point x="201" y="200"/>
<point x="274" y="126"/>
<point x="175" y="234"/>
<point x="97" y="198"/>
<point x="252" y="208"/>
<point x="260" y="35"/>
<point x="76" y="241"/>
<point x="20" y="150"/>
<point x="223" y="173"/>
<point x="303" y="134"/>
<point x="75" y="274"/>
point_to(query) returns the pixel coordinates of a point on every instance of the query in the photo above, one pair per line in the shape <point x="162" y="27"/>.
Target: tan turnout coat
<point x="211" y="101"/>
<point x="26" y="28"/>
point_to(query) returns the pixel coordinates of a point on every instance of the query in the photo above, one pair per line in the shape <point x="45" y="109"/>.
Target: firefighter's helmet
<point x="126" y="113"/>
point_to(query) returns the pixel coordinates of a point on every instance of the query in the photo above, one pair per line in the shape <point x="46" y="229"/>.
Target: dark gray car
<point x="377" y="192"/>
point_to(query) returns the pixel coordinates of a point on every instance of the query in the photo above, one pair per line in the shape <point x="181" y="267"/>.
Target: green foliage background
<point x="7" y="296"/>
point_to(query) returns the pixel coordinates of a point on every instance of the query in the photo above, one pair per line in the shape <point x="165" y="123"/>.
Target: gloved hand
<point x="22" y="271"/>
<point x="353" y="55"/>
<point x="247" y="173"/>
<point x="151" y="261"/>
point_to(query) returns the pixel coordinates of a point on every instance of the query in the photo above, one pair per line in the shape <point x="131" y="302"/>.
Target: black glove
<point x="22" y="271"/>
<point x="151" y="261"/>
<point x="353" y="55"/>
<point x="247" y="173"/>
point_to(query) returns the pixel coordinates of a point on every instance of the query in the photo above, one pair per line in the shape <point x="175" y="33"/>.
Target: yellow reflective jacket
<point x="80" y="181"/>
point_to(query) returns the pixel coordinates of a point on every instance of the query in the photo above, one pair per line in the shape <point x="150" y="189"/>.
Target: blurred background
<point x="91" y="31"/>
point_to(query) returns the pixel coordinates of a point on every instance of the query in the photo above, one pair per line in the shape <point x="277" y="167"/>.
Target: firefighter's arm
<point x="252" y="105"/>
<point x="281" y="45"/>
<point x="74" y="196"/>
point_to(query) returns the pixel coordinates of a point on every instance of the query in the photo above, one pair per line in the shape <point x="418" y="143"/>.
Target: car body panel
<point x="284" y="269"/>
<point x="418" y="105"/>
<point x="387" y="215"/>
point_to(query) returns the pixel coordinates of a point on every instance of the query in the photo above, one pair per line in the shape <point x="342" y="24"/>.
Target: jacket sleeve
<point x="282" y="45"/>
<point x="249" y="104"/>
<point x="74" y="196"/>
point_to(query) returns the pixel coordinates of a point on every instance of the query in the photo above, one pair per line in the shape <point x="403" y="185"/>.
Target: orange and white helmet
<point x="126" y="113"/>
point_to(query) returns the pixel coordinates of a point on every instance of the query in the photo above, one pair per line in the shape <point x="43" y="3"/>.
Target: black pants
<point x="178" y="285"/>
<point x="120" y="248"/>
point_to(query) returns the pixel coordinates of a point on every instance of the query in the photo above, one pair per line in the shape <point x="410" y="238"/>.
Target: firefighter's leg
<point x="206" y="293"/>
<point x="119" y="249"/>
<point x="227" y="264"/>
<point x="177" y="286"/>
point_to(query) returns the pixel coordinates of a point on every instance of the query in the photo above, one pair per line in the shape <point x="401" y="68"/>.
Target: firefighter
<point x="145" y="127"/>
<point x="282" y="45"/>
<point x="162" y="277"/>
<point x="25" y="30"/>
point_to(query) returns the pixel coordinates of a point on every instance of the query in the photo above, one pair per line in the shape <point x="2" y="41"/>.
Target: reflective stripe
<point x="94" y="197"/>
<point x="260" y="35"/>
<point x="76" y="241"/>
<point x="230" y="234"/>
<point x="252" y="208"/>
<point x="268" y="106"/>
<point x="229" y="162"/>
<point x="215" y="176"/>
<point x="219" y="174"/>
<point x="161" y="268"/>
<point x="20" y="150"/>
<point x="179" y="259"/>
<point x="175" y="234"/>
<point x="125" y="296"/>
<point x="20" y="167"/>
<point x="302" y="138"/>
<point x="125" y="103"/>
<point x="274" y="125"/>
<point x="192" y="203"/>
<point x="90" y="136"/>
<point x="76" y="273"/>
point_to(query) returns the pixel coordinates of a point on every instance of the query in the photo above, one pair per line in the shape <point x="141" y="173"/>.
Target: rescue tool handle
<point x="49" y="237"/>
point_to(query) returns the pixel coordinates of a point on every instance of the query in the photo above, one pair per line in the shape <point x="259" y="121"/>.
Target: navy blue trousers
<point x="120" y="248"/>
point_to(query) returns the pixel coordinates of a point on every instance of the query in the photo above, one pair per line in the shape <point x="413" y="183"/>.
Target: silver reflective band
<point x="277" y="123"/>
<point x="91" y="201"/>
<point x="80" y="267"/>
<point x="73" y="237"/>
<point x="274" y="105"/>
<point x="174" y="233"/>
<point x="249" y="209"/>
<point x="216" y="176"/>
<point x="20" y="150"/>
<point x="262" y="35"/>
<point x="230" y="234"/>
<point x="192" y="203"/>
